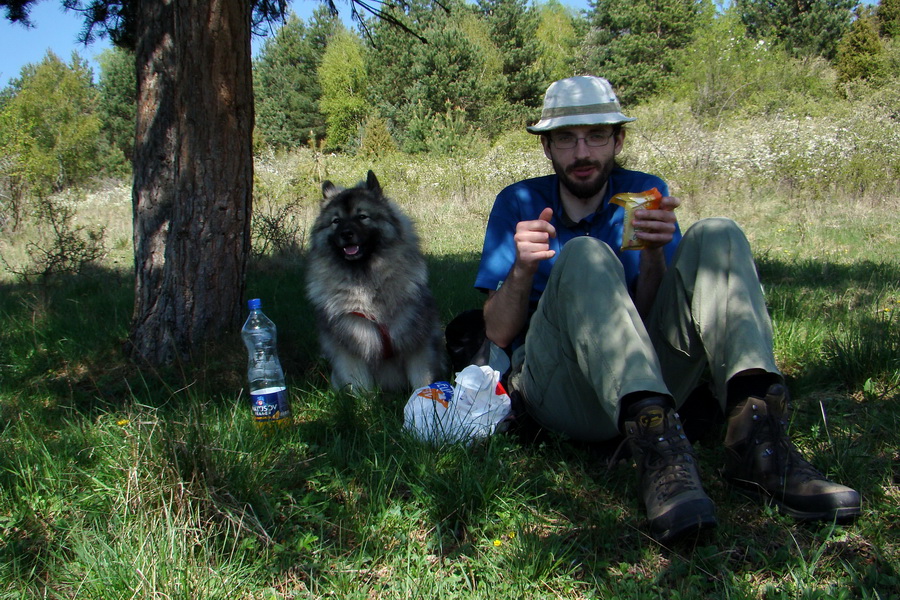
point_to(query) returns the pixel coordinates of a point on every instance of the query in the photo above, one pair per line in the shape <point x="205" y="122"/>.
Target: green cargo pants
<point x="587" y="347"/>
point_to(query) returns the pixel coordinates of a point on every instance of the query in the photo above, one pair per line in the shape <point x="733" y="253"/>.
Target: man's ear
<point x="620" y="141"/>
<point x="545" y="142"/>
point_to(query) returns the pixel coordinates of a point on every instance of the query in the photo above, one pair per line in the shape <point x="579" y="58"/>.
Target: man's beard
<point x="585" y="189"/>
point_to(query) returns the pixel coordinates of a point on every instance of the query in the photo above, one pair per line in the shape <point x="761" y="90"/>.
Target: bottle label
<point x="270" y="404"/>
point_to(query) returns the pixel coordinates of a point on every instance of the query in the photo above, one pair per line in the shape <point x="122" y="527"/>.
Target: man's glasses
<point x="566" y="141"/>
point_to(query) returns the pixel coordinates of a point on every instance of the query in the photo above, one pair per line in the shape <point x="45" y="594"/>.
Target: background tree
<point x="49" y="127"/>
<point x="888" y="14"/>
<point x="118" y="99"/>
<point x="634" y="43"/>
<point x="342" y="77"/>
<point x="286" y="86"/>
<point x="802" y="27"/>
<point x="559" y="36"/>
<point x="412" y="87"/>
<point x="860" y="54"/>
<point x="494" y="115"/>
<point x="513" y="26"/>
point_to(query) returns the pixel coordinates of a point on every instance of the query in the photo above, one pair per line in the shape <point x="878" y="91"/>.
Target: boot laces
<point x="667" y="461"/>
<point x="789" y="462"/>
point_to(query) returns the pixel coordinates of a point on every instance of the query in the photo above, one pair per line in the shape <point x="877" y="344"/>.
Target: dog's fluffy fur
<point x="368" y="282"/>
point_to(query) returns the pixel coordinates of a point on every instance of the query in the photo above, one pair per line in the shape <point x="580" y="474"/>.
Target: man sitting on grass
<point x="610" y="342"/>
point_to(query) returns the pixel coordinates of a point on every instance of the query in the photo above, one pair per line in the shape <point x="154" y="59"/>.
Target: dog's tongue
<point x="351" y="250"/>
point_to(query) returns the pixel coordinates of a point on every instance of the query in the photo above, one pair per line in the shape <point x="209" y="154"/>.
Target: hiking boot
<point x="669" y="477"/>
<point x="762" y="461"/>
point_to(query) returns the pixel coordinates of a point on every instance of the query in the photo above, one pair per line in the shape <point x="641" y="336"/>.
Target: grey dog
<point x="367" y="280"/>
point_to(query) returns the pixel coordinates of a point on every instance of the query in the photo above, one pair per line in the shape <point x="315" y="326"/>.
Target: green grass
<point x="117" y="483"/>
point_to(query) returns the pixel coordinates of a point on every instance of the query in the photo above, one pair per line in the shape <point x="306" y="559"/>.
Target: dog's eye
<point x="336" y="221"/>
<point x="362" y="217"/>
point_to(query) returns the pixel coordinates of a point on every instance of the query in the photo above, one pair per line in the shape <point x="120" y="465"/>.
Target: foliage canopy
<point x="802" y="27"/>
<point x="634" y="43"/>
<point x="50" y="128"/>
<point x="342" y="77"/>
<point x="286" y="82"/>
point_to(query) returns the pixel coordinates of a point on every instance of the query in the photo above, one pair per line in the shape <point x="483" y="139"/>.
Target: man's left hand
<point x="657" y="227"/>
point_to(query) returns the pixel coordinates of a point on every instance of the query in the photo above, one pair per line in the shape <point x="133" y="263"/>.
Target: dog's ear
<point x="372" y="184"/>
<point x="329" y="191"/>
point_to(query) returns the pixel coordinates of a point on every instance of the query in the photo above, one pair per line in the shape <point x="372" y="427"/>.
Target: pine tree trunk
<point x="193" y="174"/>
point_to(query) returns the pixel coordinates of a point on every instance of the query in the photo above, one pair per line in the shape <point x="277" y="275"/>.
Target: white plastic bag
<point x="440" y="413"/>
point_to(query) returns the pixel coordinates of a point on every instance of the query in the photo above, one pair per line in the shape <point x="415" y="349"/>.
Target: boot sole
<point x="843" y="514"/>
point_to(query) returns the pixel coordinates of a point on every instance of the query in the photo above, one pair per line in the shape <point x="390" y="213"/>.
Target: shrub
<point x="860" y="53"/>
<point x="724" y="72"/>
<point x="443" y="134"/>
<point x="376" y="138"/>
<point x="61" y="246"/>
<point x="276" y="228"/>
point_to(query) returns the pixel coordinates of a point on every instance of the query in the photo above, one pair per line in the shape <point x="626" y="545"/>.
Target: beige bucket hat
<point x="583" y="100"/>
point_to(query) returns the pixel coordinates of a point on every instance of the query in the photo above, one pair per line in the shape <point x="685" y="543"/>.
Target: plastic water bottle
<point x="268" y="393"/>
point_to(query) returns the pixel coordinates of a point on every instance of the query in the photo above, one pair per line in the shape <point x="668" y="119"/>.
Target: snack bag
<point x="649" y="199"/>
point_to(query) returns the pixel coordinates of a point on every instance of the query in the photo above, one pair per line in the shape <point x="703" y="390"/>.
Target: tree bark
<point x="193" y="174"/>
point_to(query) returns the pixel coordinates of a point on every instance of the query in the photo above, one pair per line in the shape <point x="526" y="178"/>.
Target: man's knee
<point x="715" y="228"/>
<point x="587" y="261"/>
<point x="586" y="252"/>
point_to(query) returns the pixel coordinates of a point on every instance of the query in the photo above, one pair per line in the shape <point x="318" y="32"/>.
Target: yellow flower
<point x="498" y="543"/>
<point x="122" y="422"/>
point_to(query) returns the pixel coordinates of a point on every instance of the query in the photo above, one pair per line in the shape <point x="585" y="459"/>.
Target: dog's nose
<point x="346" y="235"/>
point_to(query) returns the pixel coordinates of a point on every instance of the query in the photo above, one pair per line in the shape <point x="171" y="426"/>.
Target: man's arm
<point x="506" y="309"/>
<point x="657" y="230"/>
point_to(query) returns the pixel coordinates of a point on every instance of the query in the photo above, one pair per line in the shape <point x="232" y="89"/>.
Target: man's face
<point x="584" y="167"/>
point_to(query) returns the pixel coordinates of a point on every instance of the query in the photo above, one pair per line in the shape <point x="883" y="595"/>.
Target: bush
<point x="61" y="246"/>
<point x="443" y="134"/>
<point x="860" y="53"/>
<point x="724" y="73"/>
<point x="277" y="228"/>
<point x="376" y="138"/>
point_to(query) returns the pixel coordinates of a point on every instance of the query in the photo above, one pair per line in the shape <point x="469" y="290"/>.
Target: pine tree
<point x="634" y="43"/>
<point x="513" y="27"/>
<point x="802" y="27"/>
<point x="411" y="82"/>
<point x="118" y="99"/>
<point x="888" y="13"/>
<point x="192" y="161"/>
<point x="860" y="54"/>
<point x="286" y="85"/>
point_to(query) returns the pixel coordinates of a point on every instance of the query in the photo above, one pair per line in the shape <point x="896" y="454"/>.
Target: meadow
<point x="124" y="483"/>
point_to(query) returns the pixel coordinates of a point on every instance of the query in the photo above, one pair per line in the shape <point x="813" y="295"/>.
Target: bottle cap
<point x="254" y="303"/>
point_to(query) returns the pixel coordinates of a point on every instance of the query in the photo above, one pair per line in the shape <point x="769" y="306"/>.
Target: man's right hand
<point x="506" y="309"/>
<point x="533" y="241"/>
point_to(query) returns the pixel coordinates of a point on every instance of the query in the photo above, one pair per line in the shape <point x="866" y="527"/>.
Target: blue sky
<point x="58" y="30"/>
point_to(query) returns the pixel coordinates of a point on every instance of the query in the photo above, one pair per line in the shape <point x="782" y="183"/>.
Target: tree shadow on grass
<point x="789" y="284"/>
<point x="68" y="336"/>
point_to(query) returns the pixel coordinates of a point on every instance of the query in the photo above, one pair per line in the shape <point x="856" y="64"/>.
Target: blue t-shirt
<point x="525" y="200"/>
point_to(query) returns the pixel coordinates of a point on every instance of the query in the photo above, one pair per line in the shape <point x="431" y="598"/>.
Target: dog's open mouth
<point x="351" y="252"/>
